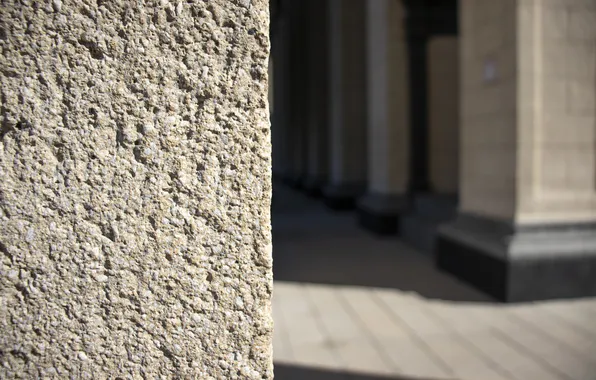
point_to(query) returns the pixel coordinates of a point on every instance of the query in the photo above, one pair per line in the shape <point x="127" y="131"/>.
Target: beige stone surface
<point x="528" y="131"/>
<point x="135" y="191"/>
<point x="347" y="89"/>
<point x="488" y="105"/>
<point x="557" y="111"/>
<point x="387" y="98"/>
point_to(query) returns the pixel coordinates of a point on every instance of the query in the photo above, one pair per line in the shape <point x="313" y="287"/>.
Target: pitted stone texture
<point x="135" y="191"/>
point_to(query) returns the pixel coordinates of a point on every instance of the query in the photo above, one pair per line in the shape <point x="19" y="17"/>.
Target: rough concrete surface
<point x="135" y="189"/>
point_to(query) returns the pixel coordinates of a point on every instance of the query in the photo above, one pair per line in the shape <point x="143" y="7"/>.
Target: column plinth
<point x="387" y="118"/>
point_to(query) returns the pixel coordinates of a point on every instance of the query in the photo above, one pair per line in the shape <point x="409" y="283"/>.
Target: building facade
<point x="466" y="127"/>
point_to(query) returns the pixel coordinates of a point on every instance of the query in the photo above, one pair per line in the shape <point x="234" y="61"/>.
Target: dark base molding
<point x="532" y="276"/>
<point x="476" y="268"/>
<point x="342" y="197"/>
<point x="378" y="223"/>
<point x="380" y="213"/>
<point x="419" y="226"/>
<point x="339" y="203"/>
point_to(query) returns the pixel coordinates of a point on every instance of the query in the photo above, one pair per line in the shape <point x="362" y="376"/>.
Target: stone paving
<point x="348" y="305"/>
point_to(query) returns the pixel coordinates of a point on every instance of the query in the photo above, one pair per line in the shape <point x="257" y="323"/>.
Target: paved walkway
<point x="348" y="305"/>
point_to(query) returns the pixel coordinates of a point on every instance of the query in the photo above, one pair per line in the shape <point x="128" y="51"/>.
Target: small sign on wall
<point x="490" y="70"/>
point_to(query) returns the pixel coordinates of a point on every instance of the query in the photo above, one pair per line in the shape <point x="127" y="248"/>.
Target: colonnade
<point x="468" y="128"/>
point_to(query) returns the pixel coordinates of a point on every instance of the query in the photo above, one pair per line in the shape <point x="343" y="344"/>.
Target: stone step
<point x="438" y="208"/>
<point x="419" y="227"/>
<point x="418" y="232"/>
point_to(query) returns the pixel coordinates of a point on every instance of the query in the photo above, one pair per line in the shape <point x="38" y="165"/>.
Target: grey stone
<point x="504" y="239"/>
<point x="114" y="189"/>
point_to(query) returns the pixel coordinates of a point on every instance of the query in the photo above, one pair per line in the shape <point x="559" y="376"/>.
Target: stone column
<point x="443" y="109"/>
<point x="317" y="166"/>
<point x="135" y="192"/>
<point x="418" y="33"/>
<point x="431" y="69"/>
<point x="347" y="148"/>
<point x="387" y="117"/>
<point x="297" y="143"/>
<point x="289" y="120"/>
<point x="280" y="65"/>
<point x="526" y="228"/>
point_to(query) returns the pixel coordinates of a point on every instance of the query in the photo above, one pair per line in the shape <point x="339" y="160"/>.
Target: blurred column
<point x="526" y="228"/>
<point x="443" y="109"/>
<point x="433" y="76"/>
<point x="279" y="65"/>
<point x="387" y="117"/>
<point x="417" y="26"/>
<point x="292" y="84"/>
<point x="317" y="165"/>
<point x="347" y="145"/>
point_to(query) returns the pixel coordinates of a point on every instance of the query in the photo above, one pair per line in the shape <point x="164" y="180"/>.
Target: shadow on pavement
<point x="291" y="372"/>
<point x="312" y="244"/>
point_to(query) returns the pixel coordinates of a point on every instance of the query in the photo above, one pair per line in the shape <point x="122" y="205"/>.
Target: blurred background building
<point x="468" y="129"/>
<point x="433" y="159"/>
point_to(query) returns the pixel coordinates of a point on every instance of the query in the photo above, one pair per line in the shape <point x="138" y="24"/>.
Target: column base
<point x="420" y="224"/>
<point x="313" y="186"/>
<point x="294" y="182"/>
<point x="379" y="213"/>
<point x="342" y="196"/>
<point x="520" y="263"/>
